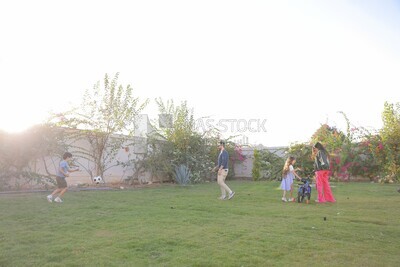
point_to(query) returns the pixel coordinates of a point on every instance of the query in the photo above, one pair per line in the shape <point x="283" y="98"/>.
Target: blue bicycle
<point x="304" y="191"/>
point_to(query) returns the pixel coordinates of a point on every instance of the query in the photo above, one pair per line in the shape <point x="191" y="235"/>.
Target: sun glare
<point x="13" y="126"/>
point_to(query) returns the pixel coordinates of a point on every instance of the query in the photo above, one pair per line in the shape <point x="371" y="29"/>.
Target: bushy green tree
<point x="267" y="165"/>
<point x="390" y="134"/>
<point x="179" y="144"/>
<point x="360" y="152"/>
<point x="256" y="170"/>
<point x="105" y="120"/>
<point x="303" y="154"/>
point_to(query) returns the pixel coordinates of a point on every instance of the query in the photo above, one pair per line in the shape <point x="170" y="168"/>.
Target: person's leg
<point x="55" y="192"/>
<point x="58" y="199"/>
<point x="229" y="191"/>
<point x="62" y="192"/>
<point x="50" y="197"/>
<point x="327" y="188"/>
<point x="319" y="182"/>
<point x="221" y="182"/>
<point x="284" y="196"/>
<point x="224" y="186"/>
<point x="291" y="192"/>
<point x="284" y="187"/>
<point x="62" y="187"/>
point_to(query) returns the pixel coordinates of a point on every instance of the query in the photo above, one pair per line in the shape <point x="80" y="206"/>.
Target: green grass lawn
<point x="188" y="226"/>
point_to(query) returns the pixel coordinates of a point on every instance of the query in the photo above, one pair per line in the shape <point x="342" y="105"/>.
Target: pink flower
<point x="239" y="155"/>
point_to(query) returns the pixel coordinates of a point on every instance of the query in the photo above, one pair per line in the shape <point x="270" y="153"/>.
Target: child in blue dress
<point x="288" y="175"/>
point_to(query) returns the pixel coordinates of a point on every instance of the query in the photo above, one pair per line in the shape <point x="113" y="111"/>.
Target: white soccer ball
<point x="97" y="179"/>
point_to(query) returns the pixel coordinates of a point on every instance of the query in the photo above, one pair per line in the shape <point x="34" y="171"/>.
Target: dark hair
<point x="319" y="146"/>
<point x="222" y="143"/>
<point x="67" y="155"/>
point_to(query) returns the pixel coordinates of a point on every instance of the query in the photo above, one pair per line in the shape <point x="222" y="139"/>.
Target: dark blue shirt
<point x="223" y="159"/>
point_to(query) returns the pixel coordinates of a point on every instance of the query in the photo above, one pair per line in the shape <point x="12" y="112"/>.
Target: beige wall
<point x="243" y="169"/>
<point x="118" y="173"/>
<point x="87" y="167"/>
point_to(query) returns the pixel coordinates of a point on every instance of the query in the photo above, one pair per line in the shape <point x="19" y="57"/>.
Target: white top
<point x="291" y="168"/>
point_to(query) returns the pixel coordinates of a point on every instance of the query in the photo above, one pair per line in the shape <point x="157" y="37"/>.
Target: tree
<point x="267" y="164"/>
<point x="178" y="146"/>
<point x="256" y="170"/>
<point x="105" y="120"/>
<point x="304" y="160"/>
<point x="390" y="134"/>
<point x="332" y="138"/>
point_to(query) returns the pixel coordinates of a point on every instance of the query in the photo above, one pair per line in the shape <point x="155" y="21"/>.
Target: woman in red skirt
<point x="322" y="171"/>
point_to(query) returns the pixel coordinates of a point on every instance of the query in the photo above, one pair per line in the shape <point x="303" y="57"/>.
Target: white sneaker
<point x="58" y="200"/>
<point x="284" y="199"/>
<point x="231" y="195"/>
<point x="50" y="198"/>
<point x="291" y="199"/>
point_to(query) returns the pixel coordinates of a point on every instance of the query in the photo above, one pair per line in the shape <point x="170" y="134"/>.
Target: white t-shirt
<point x="291" y="168"/>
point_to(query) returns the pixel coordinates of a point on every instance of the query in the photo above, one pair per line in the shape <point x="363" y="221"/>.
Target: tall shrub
<point x="105" y="120"/>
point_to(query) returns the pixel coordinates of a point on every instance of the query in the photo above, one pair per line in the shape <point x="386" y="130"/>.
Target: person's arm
<point x="218" y="167"/>
<point x="295" y="174"/>
<point x="221" y="165"/>
<point x="73" y="170"/>
<point x="68" y="168"/>
<point x="223" y="160"/>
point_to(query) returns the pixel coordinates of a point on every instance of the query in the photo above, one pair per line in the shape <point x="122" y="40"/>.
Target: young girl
<point x="287" y="178"/>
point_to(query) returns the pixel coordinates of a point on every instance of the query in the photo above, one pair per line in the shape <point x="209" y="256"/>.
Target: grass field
<point x="188" y="226"/>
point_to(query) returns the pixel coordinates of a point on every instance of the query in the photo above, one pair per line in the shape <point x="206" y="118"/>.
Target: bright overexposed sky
<point x="293" y="63"/>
